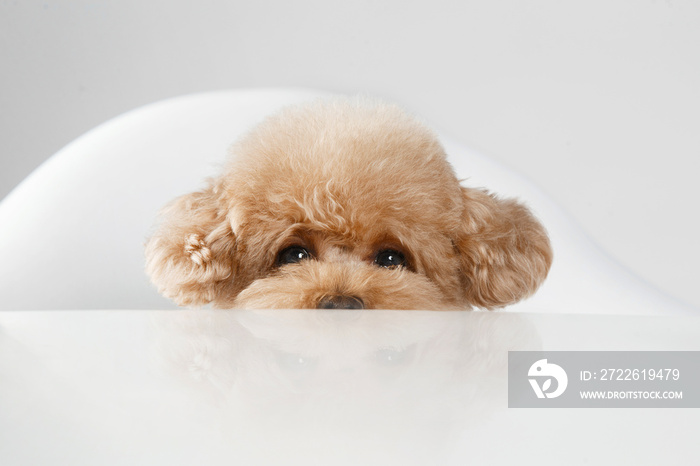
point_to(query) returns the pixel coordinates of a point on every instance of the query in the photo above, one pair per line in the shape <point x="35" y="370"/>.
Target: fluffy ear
<point x="504" y="251"/>
<point x="190" y="257"/>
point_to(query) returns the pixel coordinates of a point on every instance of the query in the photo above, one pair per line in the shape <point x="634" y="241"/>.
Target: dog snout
<point x="340" y="302"/>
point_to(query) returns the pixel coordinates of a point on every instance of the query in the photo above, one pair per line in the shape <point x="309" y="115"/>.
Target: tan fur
<point x="345" y="179"/>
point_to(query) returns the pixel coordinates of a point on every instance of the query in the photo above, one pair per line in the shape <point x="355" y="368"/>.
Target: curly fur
<point x="345" y="179"/>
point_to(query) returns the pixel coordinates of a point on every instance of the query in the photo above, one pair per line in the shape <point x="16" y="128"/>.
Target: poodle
<point x="345" y="204"/>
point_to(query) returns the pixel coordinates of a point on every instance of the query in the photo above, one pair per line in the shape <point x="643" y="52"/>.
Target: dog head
<point x="345" y="204"/>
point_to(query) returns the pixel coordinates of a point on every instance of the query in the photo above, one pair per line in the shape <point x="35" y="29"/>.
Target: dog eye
<point x="390" y="259"/>
<point x="292" y="255"/>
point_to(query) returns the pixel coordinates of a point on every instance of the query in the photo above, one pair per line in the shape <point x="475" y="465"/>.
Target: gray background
<point x="597" y="102"/>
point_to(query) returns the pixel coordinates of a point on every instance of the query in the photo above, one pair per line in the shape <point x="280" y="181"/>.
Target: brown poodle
<point x="345" y="204"/>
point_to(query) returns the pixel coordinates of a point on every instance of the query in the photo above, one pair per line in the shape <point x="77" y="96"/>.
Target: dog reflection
<point x="344" y="386"/>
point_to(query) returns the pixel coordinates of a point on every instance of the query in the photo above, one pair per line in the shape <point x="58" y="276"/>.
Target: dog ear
<point x="504" y="251"/>
<point x="190" y="258"/>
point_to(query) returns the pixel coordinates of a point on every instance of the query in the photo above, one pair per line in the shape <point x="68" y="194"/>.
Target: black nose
<point x="340" y="302"/>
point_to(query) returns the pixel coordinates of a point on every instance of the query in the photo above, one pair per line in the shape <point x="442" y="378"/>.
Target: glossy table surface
<point x="316" y="387"/>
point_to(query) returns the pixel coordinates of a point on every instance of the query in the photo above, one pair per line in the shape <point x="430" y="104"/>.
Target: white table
<point x="316" y="387"/>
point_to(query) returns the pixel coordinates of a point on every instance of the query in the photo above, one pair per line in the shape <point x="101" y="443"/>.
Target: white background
<point x="597" y="101"/>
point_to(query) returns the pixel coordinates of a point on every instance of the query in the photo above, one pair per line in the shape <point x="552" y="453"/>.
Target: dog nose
<point x="340" y="302"/>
